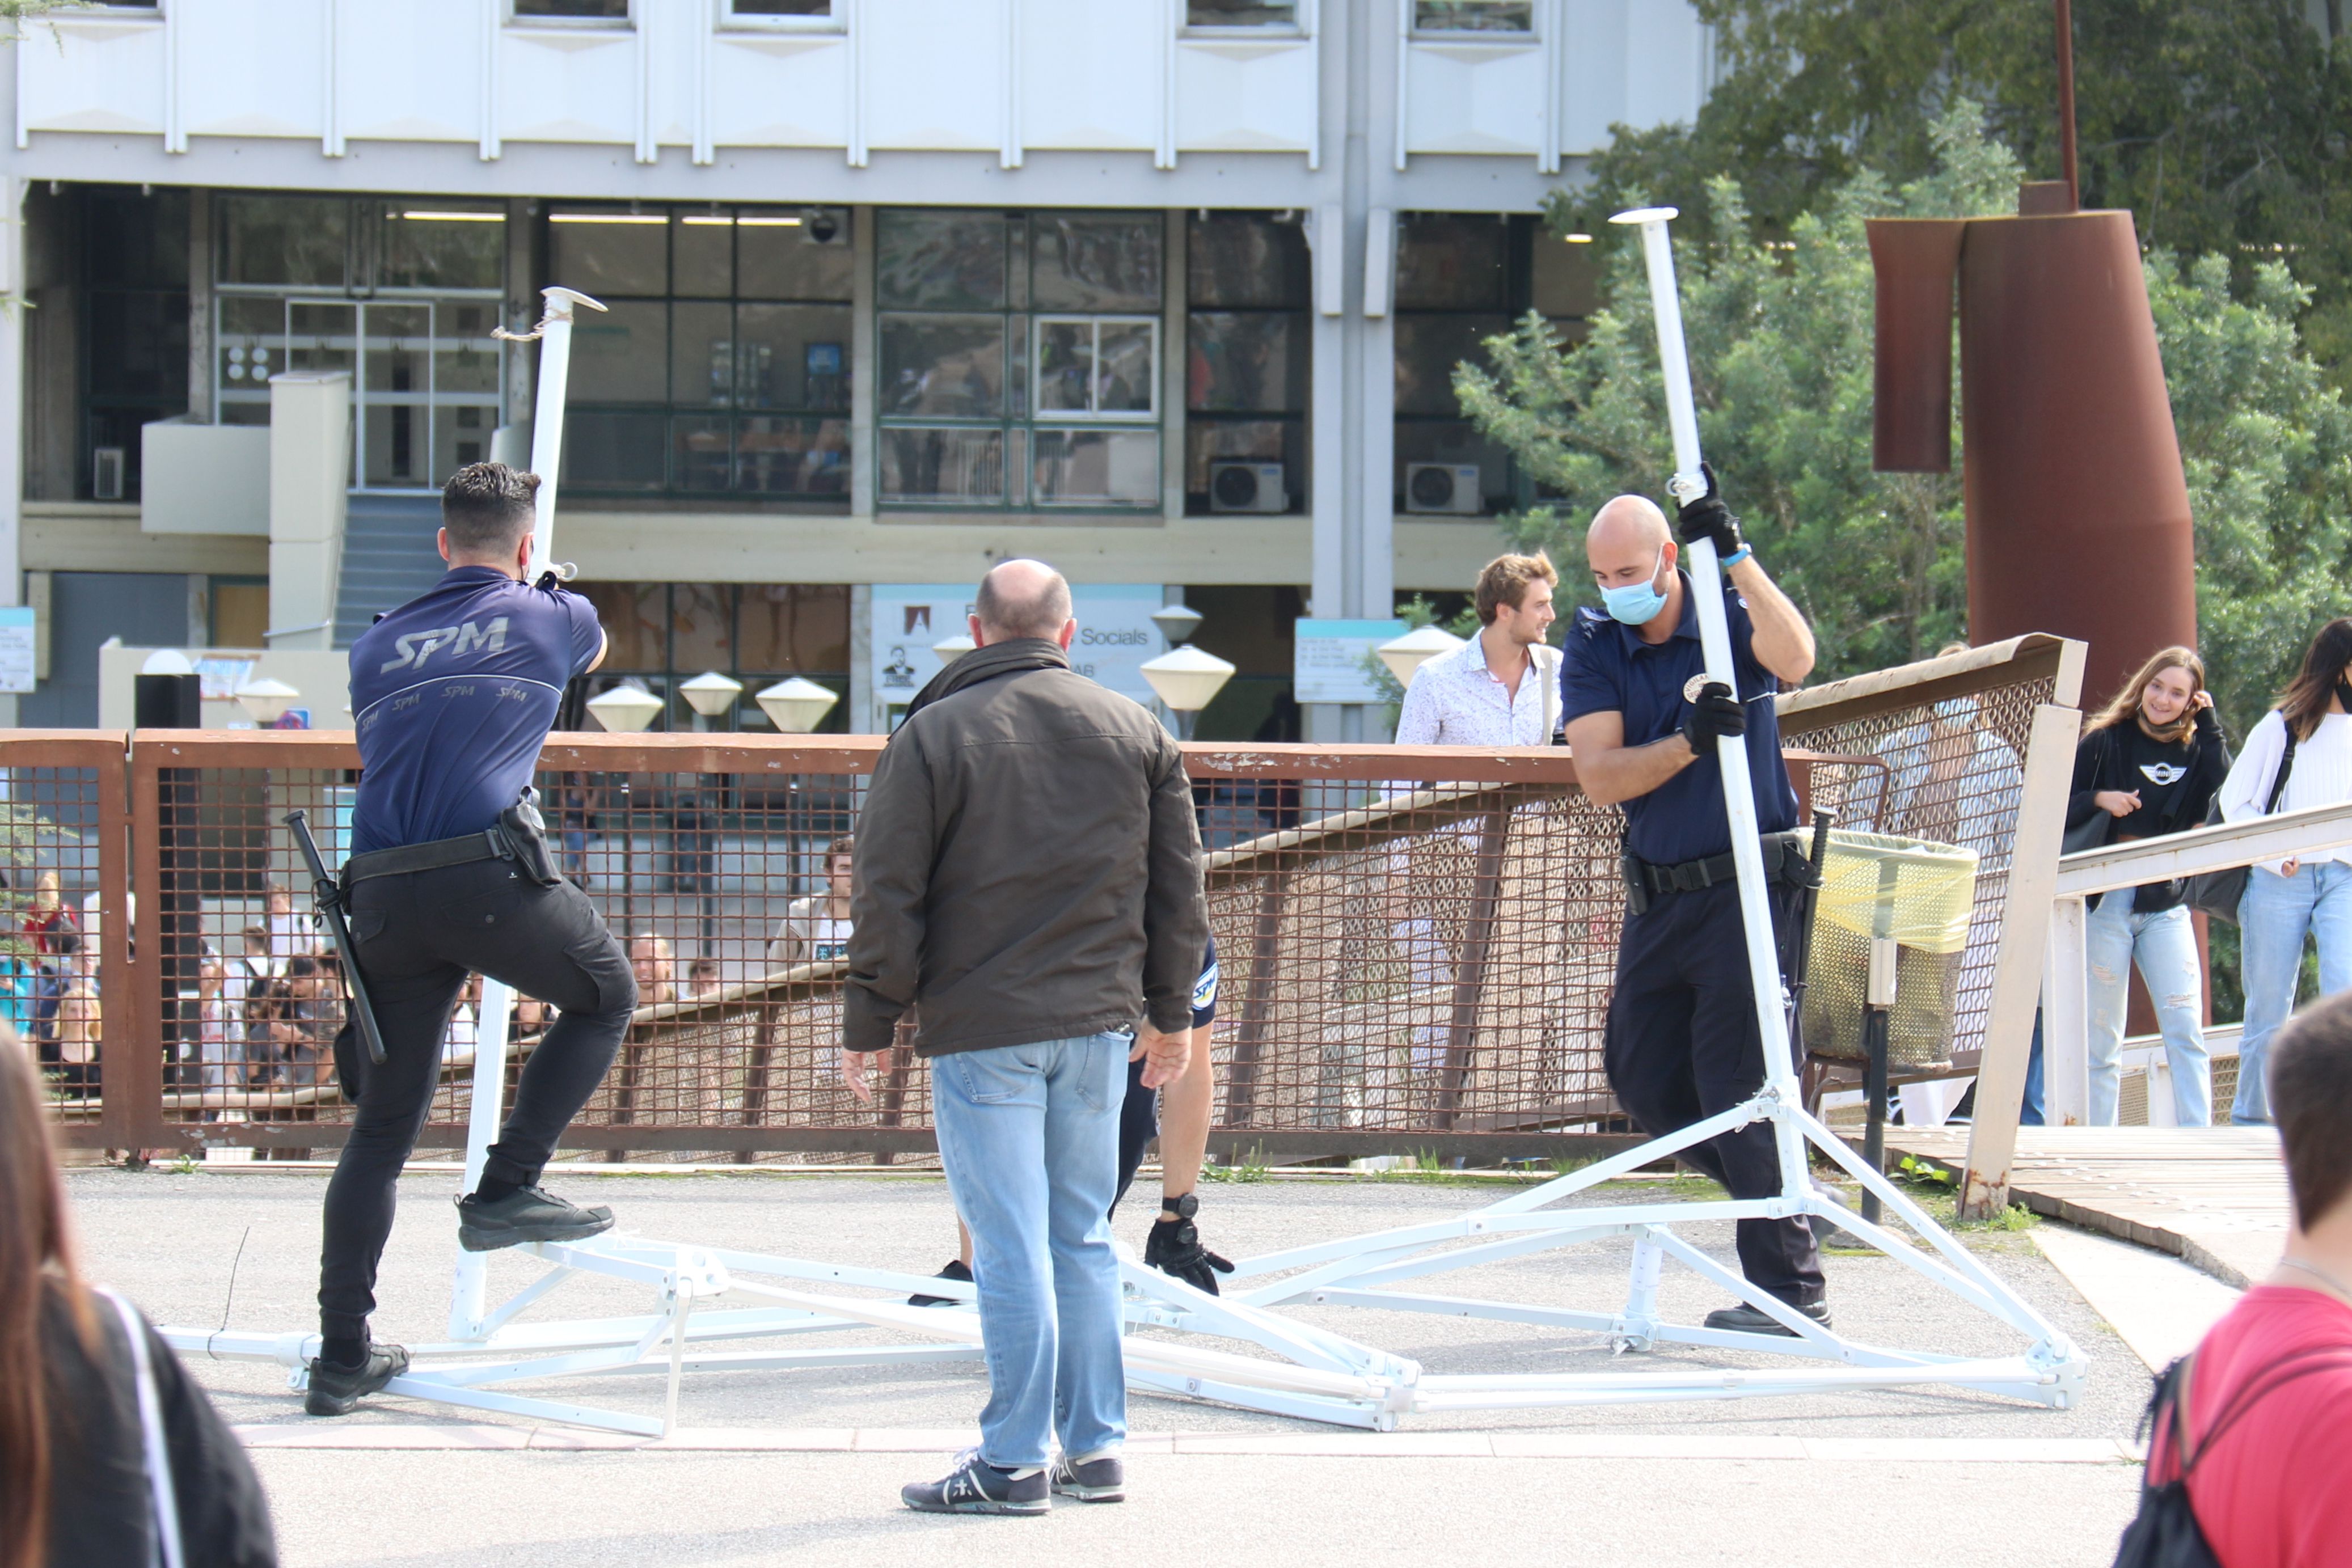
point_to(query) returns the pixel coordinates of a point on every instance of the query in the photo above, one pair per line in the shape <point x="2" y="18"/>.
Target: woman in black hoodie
<point x="91" y="1400"/>
<point x="2151" y="763"/>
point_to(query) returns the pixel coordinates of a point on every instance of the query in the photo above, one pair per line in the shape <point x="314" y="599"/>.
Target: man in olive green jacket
<point x="1028" y="878"/>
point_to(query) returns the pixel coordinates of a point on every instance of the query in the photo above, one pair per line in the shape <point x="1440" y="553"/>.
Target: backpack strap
<point x="157" y="1455"/>
<point x="2271" y="1379"/>
<point x="2285" y="767"/>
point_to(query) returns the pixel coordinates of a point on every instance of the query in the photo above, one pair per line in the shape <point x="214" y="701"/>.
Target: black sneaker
<point x="975" y="1486"/>
<point x="335" y="1390"/>
<point x="526" y="1214"/>
<point x="1089" y="1480"/>
<point x="1745" y="1319"/>
<point x="957" y="1271"/>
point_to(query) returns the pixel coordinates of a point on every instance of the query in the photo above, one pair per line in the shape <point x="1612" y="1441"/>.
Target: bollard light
<point x="265" y="701"/>
<point x="626" y="709"/>
<point x="1406" y="654"/>
<point x="1187" y="680"/>
<point x="710" y="694"/>
<point x="797" y="706"/>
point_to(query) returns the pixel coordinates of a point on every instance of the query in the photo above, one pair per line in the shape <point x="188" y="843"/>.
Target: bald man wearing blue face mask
<point x="1643" y="722"/>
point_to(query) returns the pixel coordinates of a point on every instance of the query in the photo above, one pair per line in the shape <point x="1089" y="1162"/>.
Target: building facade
<point x="1167" y="292"/>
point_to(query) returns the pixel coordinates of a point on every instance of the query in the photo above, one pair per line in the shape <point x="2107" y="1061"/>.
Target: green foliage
<point x="1782" y="349"/>
<point x="1251" y="1167"/>
<point x="2266" y="445"/>
<point x="1782" y="335"/>
<point x="2225" y="126"/>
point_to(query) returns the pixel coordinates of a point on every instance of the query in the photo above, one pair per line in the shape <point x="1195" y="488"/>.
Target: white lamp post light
<point x="1404" y="656"/>
<point x="797" y="706"/>
<point x="709" y="694"/>
<point x="1187" y="679"/>
<point x="1177" y="622"/>
<point x="626" y="709"/>
<point x="950" y="649"/>
<point x="265" y="700"/>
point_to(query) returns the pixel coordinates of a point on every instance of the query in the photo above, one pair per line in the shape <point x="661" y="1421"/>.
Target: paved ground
<point x="1664" y="1483"/>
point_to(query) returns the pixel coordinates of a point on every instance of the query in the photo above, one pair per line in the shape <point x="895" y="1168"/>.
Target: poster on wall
<point x="1335" y="660"/>
<point x="1116" y="635"/>
<point x="17" y="648"/>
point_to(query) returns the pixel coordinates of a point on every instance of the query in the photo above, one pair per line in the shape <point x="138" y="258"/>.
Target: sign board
<point x="1116" y="636"/>
<point x="1335" y="660"/>
<point x="17" y="639"/>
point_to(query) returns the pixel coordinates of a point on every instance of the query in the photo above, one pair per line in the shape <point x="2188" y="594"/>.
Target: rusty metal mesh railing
<point x="1417" y="944"/>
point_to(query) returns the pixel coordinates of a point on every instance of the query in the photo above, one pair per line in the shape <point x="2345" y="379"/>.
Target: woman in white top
<point x="2313" y="893"/>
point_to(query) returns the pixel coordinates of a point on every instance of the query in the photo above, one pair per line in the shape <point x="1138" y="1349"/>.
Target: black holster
<point x="526" y="835"/>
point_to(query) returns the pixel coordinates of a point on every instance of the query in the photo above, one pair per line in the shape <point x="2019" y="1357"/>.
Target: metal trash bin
<point x="1919" y="893"/>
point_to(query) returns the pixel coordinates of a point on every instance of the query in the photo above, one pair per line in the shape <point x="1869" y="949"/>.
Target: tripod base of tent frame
<point x="1295" y="1369"/>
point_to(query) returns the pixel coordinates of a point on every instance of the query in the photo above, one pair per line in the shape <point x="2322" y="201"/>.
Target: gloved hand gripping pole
<point x="327" y="895"/>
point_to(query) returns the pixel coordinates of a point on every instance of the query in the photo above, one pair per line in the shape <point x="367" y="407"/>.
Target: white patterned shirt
<point x="1455" y="700"/>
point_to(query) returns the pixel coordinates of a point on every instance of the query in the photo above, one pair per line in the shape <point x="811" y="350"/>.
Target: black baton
<point x="328" y="895"/>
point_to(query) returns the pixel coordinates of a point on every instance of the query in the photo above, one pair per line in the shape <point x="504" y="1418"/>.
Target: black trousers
<point x="1138" y="1123"/>
<point x="1682" y="1044"/>
<point x="418" y="936"/>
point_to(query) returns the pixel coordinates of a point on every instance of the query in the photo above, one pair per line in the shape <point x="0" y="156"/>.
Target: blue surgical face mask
<point x="1637" y="603"/>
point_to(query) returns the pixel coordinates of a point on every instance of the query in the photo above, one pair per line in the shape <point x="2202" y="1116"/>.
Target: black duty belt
<point x="491" y="844"/>
<point x="1784" y="861"/>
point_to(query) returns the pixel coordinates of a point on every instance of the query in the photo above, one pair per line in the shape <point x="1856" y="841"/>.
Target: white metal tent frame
<point x="1296" y="1369"/>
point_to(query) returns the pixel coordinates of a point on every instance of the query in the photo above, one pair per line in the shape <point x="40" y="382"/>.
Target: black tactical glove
<point x="1708" y="518"/>
<point x="1174" y="1248"/>
<point x="1714" y="712"/>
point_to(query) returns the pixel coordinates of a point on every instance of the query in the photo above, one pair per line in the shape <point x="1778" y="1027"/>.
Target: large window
<point x="1246" y="353"/>
<point x="1461" y="278"/>
<point x="664" y="633"/>
<point x="1020" y="358"/>
<point x="401" y="293"/>
<point x="722" y="366"/>
<point x="134" y="340"/>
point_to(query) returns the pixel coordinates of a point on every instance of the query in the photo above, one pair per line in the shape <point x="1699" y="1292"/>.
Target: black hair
<point x="487" y="507"/>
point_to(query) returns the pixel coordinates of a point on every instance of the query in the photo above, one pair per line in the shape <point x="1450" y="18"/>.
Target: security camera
<point x="822" y="226"/>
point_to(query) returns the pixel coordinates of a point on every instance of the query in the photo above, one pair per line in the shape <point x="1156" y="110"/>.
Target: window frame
<point x="1530" y="34"/>
<point x="1301" y="25"/>
<point x="1019" y="421"/>
<point x="730" y="20"/>
<point x="674" y="483"/>
<point x="514" y="19"/>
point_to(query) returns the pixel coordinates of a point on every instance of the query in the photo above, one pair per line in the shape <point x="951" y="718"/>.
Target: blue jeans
<point x="2272" y="919"/>
<point x="1029" y="1134"/>
<point x="2028" y="1111"/>
<point x="2164" y="944"/>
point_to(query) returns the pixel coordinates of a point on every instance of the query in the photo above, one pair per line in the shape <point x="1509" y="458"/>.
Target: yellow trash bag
<point x="1919" y="892"/>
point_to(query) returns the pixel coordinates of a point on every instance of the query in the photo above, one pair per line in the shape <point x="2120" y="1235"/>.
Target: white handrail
<point x="2085" y="876"/>
<point x="2202" y="850"/>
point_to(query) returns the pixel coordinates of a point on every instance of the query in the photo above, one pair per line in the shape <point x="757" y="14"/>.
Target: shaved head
<point x="1022" y="599"/>
<point x="1627" y="522"/>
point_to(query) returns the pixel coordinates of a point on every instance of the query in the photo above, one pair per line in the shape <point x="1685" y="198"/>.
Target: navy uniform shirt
<point x="1609" y="668"/>
<point x="453" y="694"/>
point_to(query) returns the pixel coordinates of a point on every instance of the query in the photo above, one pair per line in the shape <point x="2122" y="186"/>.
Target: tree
<point x="1782" y="334"/>
<point x="1781" y="346"/>
<point x="2225" y="126"/>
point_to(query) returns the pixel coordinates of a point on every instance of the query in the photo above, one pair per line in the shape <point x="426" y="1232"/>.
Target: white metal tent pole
<point x="469" y="1297"/>
<point x="1715" y="640"/>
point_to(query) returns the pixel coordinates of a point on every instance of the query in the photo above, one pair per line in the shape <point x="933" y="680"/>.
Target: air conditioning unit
<point x="1450" y="488"/>
<point x="1247" y="487"/>
<point x="105" y="473"/>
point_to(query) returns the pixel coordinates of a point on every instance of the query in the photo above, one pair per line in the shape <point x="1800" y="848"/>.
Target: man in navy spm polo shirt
<point x="1643" y="723"/>
<point x="453" y="694"/>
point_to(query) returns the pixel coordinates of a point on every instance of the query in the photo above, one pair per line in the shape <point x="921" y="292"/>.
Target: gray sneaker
<point x="526" y="1214"/>
<point x="1089" y="1480"/>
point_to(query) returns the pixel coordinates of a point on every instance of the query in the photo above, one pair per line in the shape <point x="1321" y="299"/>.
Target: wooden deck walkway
<point x="2214" y="1196"/>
